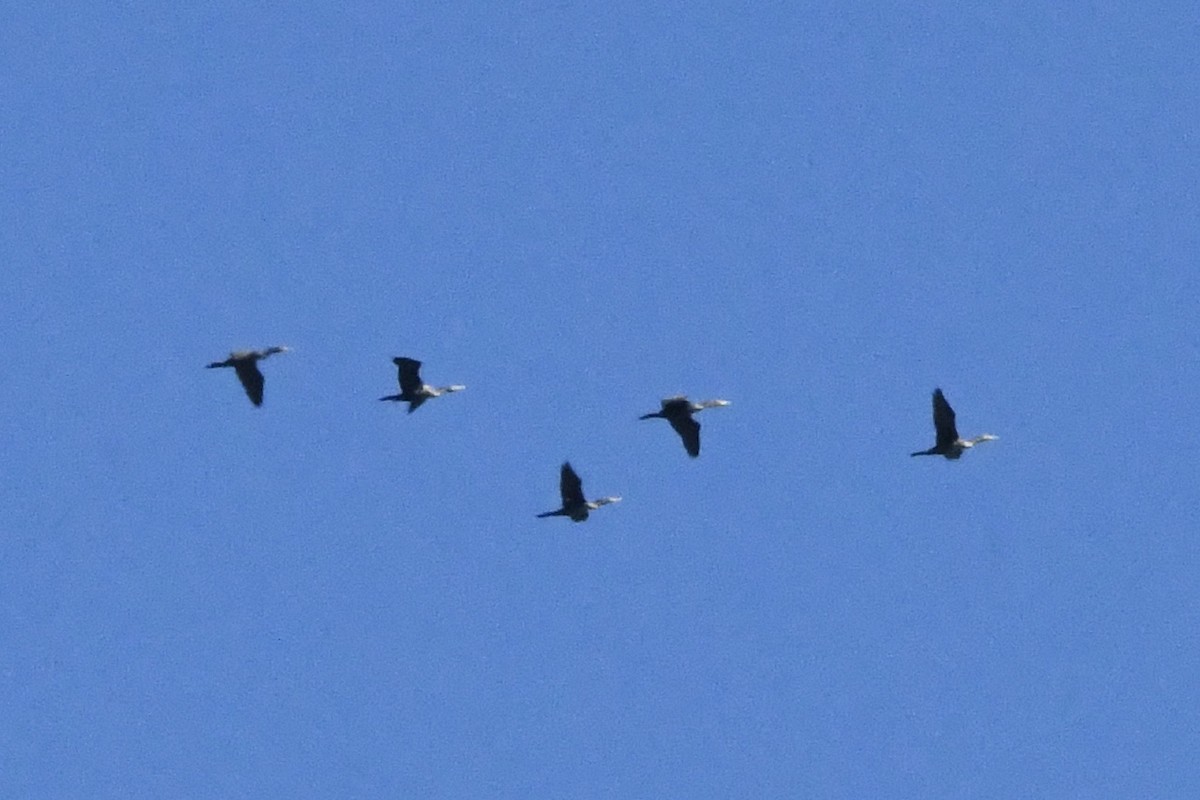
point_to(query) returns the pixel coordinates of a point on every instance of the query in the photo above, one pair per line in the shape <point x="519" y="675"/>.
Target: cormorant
<point x="948" y="444"/>
<point x="678" y="411"/>
<point x="245" y="364"/>
<point x="573" y="503"/>
<point x="412" y="389"/>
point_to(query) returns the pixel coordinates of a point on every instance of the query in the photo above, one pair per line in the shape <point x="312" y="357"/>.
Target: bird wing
<point x="678" y="404"/>
<point x="570" y="486"/>
<point x="688" y="430"/>
<point x="409" y="375"/>
<point x="252" y="380"/>
<point x="943" y="420"/>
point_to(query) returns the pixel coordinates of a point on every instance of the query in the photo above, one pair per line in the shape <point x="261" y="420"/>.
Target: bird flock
<point x="677" y="410"/>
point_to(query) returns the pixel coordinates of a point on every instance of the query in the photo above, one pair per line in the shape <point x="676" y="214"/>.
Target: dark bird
<point x="948" y="444"/>
<point x="245" y="364"/>
<point x="412" y="389"/>
<point x="573" y="503"/>
<point x="678" y="411"/>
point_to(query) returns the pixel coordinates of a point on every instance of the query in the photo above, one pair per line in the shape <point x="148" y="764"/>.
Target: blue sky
<point x="575" y="211"/>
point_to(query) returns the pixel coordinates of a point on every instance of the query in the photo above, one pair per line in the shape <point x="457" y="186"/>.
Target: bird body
<point x="413" y="390"/>
<point x="574" y="505"/>
<point x="948" y="442"/>
<point x="245" y="364"/>
<point x="678" y="411"/>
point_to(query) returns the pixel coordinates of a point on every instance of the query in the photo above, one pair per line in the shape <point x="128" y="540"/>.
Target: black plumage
<point x="245" y="364"/>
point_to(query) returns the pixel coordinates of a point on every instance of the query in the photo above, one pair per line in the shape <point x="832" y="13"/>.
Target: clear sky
<point x="575" y="210"/>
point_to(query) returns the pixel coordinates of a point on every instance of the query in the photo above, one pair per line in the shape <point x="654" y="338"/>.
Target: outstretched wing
<point x="252" y="380"/>
<point x="570" y="486"/>
<point x="679" y="404"/>
<point x="943" y="420"/>
<point x="688" y="430"/>
<point x="410" y="375"/>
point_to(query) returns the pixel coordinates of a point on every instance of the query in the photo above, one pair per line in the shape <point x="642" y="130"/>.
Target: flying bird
<point x="948" y="444"/>
<point x="245" y="364"/>
<point x="573" y="503"/>
<point x="678" y="411"/>
<point x="413" y="390"/>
